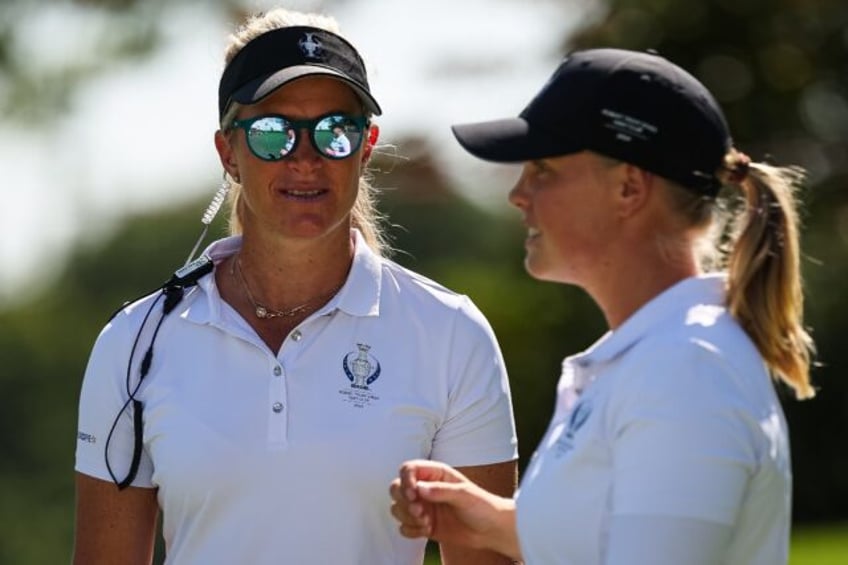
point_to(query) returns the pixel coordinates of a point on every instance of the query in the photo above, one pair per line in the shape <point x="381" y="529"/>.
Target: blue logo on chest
<point x="361" y="367"/>
<point x="579" y="415"/>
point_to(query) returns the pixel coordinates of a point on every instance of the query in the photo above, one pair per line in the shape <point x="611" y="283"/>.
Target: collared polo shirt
<point x="671" y="418"/>
<point x="285" y="456"/>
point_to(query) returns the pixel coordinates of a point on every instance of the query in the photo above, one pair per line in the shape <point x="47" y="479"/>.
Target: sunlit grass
<point x="819" y="545"/>
<point x="811" y="545"/>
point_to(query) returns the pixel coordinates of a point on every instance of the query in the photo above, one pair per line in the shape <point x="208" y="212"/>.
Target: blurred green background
<point x="780" y="70"/>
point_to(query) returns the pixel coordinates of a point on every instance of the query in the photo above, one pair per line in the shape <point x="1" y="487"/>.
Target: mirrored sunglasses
<point x="274" y="137"/>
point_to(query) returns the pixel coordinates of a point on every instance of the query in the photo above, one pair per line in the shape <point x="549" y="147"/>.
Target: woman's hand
<point x="433" y="500"/>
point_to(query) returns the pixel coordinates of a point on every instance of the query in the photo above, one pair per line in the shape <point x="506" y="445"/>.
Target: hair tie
<point x="736" y="167"/>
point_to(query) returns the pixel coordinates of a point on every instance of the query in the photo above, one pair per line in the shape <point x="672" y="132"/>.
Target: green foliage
<point x="777" y="67"/>
<point x="108" y="32"/>
<point x="44" y="346"/>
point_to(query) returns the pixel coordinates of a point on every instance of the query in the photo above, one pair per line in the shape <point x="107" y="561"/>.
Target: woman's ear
<point x="226" y="154"/>
<point x="634" y="190"/>
<point x="373" y="135"/>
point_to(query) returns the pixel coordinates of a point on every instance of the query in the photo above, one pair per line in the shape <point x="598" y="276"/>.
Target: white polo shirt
<point x="667" y="445"/>
<point x="268" y="457"/>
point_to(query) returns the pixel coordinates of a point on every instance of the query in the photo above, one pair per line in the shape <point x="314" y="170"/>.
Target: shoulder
<point x="706" y="337"/>
<point x="131" y="314"/>
<point x="136" y="315"/>
<point x="419" y="288"/>
<point x="692" y="369"/>
<point x="427" y="299"/>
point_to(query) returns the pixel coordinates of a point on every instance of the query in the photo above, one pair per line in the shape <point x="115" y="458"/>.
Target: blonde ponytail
<point x="765" y="292"/>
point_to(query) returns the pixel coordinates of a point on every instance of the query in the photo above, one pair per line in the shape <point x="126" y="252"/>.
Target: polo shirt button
<point x="278" y="371"/>
<point x="277" y="407"/>
<point x="296" y="335"/>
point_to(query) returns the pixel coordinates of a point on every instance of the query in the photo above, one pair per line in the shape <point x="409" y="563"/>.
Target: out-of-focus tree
<point x="779" y="68"/>
<point x="39" y="73"/>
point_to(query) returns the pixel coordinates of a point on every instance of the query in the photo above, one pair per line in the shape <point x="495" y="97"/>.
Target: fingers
<point x="418" y="470"/>
<point x="414" y="532"/>
<point x="442" y="492"/>
<point x="423" y="470"/>
<point x="408" y="480"/>
<point x="419" y="485"/>
<point x="415" y="522"/>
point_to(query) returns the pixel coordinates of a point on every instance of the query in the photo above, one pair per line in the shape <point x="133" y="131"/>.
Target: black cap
<point x="636" y="107"/>
<point x="279" y="56"/>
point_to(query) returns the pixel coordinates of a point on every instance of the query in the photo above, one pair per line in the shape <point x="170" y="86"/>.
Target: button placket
<point x="277" y="424"/>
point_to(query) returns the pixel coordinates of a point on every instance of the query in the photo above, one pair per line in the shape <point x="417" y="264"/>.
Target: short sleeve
<point x="682" y="446"/>
<point x="660" y="540"/>
<point x="479" y="428"/>
<point x="102" y="397"/>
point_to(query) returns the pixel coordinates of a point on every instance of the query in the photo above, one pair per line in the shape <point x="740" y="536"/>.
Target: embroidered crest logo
<point x="361" y="369"/>
<point x="310" y="46"/>
<point x="579" y="415"/>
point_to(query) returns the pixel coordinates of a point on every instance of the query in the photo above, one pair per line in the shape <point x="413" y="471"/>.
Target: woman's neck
<point x="283" y="273"/>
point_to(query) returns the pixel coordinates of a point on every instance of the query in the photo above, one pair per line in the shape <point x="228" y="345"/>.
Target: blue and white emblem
<point x="361" y="367"/>
<point x="565" y="442"/>
<point x="578" y="418"/>
<point x="310" y="46"/>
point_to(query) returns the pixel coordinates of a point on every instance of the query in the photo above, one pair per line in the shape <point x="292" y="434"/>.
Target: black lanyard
<point x="173" y="291"/>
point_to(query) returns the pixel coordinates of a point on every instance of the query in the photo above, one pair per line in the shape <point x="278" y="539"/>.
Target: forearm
<point x="499" y="540"/>
<point x="504" y="534"/>
<point x="496" y="545"/>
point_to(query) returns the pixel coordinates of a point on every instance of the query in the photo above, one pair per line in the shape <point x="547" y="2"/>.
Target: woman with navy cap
<point x="295" y="367"/>
<point x="667" y="443"/>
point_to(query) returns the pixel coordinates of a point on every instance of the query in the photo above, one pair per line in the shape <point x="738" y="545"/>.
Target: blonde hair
<point x="364" y="214"/>
<point x="757" y="241"/>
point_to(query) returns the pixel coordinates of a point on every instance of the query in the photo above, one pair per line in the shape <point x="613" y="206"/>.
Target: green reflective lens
<point x="274" y="137"/>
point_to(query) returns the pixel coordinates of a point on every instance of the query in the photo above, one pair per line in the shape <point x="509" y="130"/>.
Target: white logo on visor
<point x="310" y="46"/>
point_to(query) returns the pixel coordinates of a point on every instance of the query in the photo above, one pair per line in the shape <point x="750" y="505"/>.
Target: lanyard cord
<point x="173" y="291"/>
<point x="137" y="406"/>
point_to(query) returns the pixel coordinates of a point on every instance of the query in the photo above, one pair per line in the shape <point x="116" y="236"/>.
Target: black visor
<point x="279" y="56"/>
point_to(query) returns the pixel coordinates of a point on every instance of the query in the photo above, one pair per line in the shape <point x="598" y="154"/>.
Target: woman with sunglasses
<point x="667" y="443"/>
<point x="291" y="382"/>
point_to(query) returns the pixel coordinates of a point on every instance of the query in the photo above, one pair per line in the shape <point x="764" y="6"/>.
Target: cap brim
<point x="510" y="140"/>
<point x="259" y="88"/>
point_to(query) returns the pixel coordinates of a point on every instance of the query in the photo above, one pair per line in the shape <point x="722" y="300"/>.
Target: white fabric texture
<point x="670" y="417"/>
<point x="268" y="457"/>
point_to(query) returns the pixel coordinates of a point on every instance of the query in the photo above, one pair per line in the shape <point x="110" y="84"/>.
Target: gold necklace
<point x="263" y="312"/>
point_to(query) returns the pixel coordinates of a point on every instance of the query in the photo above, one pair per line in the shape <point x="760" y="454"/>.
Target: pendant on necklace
<point x="261" y="312"/>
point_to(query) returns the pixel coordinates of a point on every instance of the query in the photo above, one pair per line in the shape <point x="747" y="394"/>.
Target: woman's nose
<point x="304" y="155"/>
<point x="518" y="195"/>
